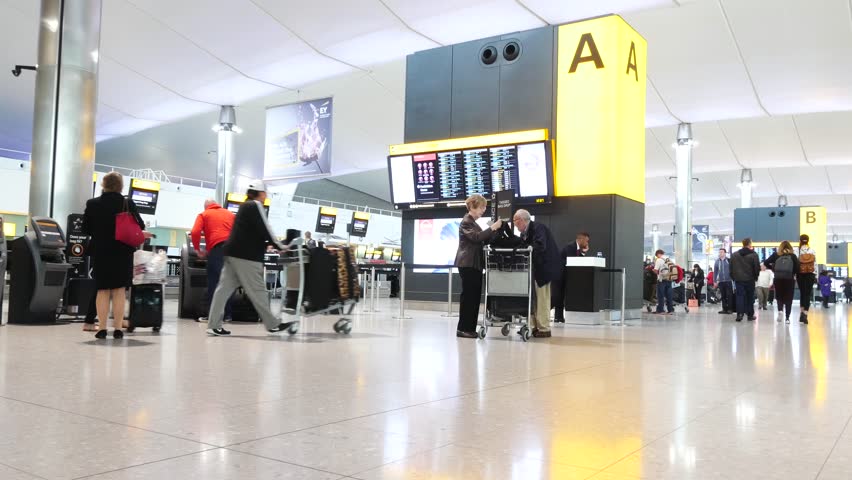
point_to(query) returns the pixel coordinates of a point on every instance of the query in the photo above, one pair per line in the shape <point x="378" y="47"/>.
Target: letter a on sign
<point x="594" y="55"/>
<point x="631" y="61"/>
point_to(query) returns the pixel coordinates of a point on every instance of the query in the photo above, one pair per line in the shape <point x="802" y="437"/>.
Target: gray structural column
<point x="225" y="177"/>
<point x="66" y="96"/>
<point x="683" y="205"/>
<point x="746" y="188"/>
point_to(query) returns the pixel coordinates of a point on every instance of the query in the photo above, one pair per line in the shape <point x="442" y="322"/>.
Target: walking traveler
<point x="112" y="259"/>
<point x="825" y="288"/>
<point x="215" y="223"/>
<point x="806" y="276"/>
<point x="722" y="278"/>
<point x="470" y="262"/>
<point x="784" y="265"/>
<point x="764" y="283"/>
<point x="745" y="269"/>
<point x="243" y="263"/>
<point x="847" y="289"/>
<point x="546" y="267"/>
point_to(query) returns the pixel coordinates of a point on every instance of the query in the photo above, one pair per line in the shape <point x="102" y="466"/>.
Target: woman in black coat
<point x="113" y="260"/>
<point x="698" y="281"/>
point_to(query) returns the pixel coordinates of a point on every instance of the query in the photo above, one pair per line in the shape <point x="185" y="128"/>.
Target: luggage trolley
<point x="509" y="277"/>
<point x="295" y="262"/>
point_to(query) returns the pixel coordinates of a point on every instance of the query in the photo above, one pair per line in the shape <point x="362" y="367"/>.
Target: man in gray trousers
<point x="244" y="252"/>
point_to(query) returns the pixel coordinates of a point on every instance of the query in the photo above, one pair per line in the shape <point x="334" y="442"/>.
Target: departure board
<point x="504" y="168"/>
<point x="477" y="168"/>
<point x="447" y="177"/>
<point x="451" y="176"/>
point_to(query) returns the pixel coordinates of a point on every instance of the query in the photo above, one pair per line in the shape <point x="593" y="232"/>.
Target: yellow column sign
<point x="600" y="109"/>
<point x="813" y="221"/>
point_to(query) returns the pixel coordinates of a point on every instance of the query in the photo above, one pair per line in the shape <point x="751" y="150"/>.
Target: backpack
<point x="784" y="267"/>
<point x="807" y="263"/>
<point x="674" y="272"/>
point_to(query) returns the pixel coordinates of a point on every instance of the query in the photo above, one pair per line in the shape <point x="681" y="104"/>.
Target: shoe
<point x="280" y="328"/>
<point x="752" y="318"/>
<point x="217" y="332"/>
<point x="558" y="320"/>
<point x="780" y="316"/>
<point x="541" y="333"/>
<point x="788" y="320"/>
<point x="803" y="317"/>
<point x="102" y="334"/>
<point x="117" y="334"/>
<point x="723" y="312"/>
<point x="739" y="318"/>
<point x="461" y="334"/>
<point x="201" y="319"/>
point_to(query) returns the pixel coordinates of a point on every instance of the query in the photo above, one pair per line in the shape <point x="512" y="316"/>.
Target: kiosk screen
<point x="326" y="219"/>
<point x="48" y="233"/>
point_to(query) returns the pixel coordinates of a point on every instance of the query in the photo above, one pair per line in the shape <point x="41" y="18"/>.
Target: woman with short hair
<point x="470" y="262"/>
<point x="113" y="260"/>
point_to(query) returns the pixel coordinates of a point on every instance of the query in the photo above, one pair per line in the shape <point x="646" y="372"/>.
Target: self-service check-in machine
<point x="3" y="263"/>
<point x="192" y="301"/>
<point x="39" y="272"/>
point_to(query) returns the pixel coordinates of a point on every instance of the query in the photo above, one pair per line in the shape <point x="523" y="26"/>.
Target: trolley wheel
<point x="686" y="309"/>
<point x="524" y="332"/>
<point x="293" y="328"/>
<point x="343" y="326"/>
<point x="130" y="329"/>
<point x="156" y="329"/>
<point x="505" y="330"/>
<point x="648" y="308"/>
<point x="483" y="331"/>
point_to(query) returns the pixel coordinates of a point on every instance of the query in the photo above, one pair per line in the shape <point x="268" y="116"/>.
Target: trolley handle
<point x="510" y="250"/>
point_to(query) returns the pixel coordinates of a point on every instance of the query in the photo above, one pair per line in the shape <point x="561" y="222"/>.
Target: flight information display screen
<point x="439" y="178"/>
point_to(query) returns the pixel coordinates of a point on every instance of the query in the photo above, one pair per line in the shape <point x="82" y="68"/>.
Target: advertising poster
<point x="700" y="236"/>
<point x="298" y="140"/>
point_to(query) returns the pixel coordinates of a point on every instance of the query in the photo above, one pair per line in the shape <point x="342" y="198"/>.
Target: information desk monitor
<point x="48" y="233"/>
<point x="326" y="220"/>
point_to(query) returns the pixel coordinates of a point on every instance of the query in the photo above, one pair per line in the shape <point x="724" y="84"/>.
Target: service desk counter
<point x="585" y="288"/>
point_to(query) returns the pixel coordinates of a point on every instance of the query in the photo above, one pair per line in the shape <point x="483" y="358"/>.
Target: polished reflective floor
<point x="689" y="396"/>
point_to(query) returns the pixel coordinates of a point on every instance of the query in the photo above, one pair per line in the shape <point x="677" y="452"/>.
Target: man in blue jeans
<point x="745" y="268"/>
<point x="664" y="284"/>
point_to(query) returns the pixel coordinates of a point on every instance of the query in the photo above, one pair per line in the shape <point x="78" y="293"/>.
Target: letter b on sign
<point x="811" y="217"/>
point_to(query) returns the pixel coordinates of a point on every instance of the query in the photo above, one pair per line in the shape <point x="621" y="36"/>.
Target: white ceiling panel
<point x="658" y="161"/>
<point x="379" y="47"/>
<point x="798" y="52"/>
<point x="300" y="70"/>
<point x="685" y="41"/>
<point x="656" y="113"/>
<point x="801" y="181"/>
<point x="712" y="152"/>
<point x="231" y="90"/>
<point x="826" y="137"/>
<point x="562" y="11"/>
<point x="708" y="187"/>
<point x="108" y="114"/>
<point x="841" y="178"/>
<point x="704" y="211"/>
<point x="764" y="142"/>
<point x="658" y="191"/>
<point x="125" y="126"/>
<point x="451" y="21"/>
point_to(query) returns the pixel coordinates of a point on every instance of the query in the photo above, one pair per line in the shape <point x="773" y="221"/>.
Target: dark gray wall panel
<point x="475" y="91"/>
<point x="526" y="85"/>
<point x="767" y="224"/>
<point x="836" y="254"/>
<point x="428" y="95"/>
<point x="788" y="225"/>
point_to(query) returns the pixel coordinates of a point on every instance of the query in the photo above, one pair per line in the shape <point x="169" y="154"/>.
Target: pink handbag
<point x="127" y="231"/>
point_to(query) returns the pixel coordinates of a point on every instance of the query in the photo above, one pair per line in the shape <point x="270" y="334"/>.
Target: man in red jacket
<point x="215" y="223"/>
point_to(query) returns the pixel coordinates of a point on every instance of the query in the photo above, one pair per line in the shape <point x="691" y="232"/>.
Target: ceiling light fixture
<point x="782" y="201"/>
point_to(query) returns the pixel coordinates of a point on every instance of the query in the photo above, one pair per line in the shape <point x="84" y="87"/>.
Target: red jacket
<point x="215" y="223"/>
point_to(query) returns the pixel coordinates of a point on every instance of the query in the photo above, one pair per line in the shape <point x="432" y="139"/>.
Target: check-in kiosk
<point x="192" y="297"/>
<point x="39" y="272"/>
<point x="3" y="263"/>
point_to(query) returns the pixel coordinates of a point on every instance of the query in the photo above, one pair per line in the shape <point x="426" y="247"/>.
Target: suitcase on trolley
<point x="146" y="307"/>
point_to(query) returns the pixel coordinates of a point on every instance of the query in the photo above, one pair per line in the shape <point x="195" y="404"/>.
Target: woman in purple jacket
<point x="824" y="287"/>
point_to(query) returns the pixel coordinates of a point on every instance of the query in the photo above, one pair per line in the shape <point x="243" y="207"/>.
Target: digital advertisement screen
<point x="452" y="176"/>
<point x="298" y="140"/>
<point x="436" y="241"/>
<point x="326" y="219"/>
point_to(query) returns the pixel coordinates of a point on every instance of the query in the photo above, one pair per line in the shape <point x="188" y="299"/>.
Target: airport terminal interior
<point x="456" y="239"/>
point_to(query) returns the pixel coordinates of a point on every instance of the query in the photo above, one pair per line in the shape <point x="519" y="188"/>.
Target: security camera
<point x="21" y="165"/>
<point x="20" y="68"/>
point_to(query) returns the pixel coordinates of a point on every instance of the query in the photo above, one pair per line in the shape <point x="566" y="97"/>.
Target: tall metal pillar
<point x="225" y="177"/>
<point x="746" y="186"/>
<point x="683" y="206"/>
<point x="655" y="237"/>
<point x="66" y="95"/>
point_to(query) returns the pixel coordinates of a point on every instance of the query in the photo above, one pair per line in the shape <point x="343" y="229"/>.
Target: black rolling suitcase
<point x="146" y="307"/>
<point x="242" y="309"/>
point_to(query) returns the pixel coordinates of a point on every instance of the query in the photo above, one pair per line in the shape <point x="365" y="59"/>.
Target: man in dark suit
<point x="546" y="269"/>
<point x="578" y="248"/>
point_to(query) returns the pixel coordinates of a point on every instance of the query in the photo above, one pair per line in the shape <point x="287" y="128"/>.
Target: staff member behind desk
<point x="722" y="278"/>
<point x="546" y="267"/>
<point x="470" y="263"/>
<point x="215" y="223"/>
<point x="113" y="260"/>
<point x="577" y="248"/>
<point x="244" y="255"/>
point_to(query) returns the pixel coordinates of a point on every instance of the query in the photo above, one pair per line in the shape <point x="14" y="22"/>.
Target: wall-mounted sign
<point x="76" y="245"/>
<point x="700" y="237"/>
<point x="144" y="194"/>
<point x="298" y="140"/>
